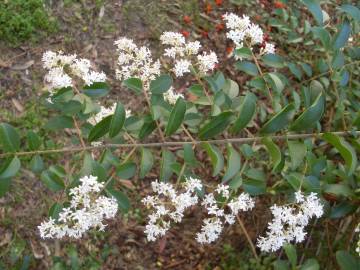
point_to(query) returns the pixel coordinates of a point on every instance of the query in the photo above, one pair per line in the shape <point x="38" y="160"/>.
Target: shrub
<point x="24" y="20"/>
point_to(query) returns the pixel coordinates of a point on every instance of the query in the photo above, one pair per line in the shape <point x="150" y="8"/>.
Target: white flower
<point x="192" y="48"/>
<point x="269" y="49"/>
<point x="171" y="96"/>
<point x="134" y="61"/>
<point x="87" y="210"/>
<point x="207" y="62"/>
<point x="104" y="112"/>
<point x="181" y="67"/>
<point x="172" y="39"/>
<point x="61" y="68"/>
<point x="128" y="113"/>
<point x="357" y="229"/>
<point x="168" y="205"/>
<point x="255" y="33"/>
<point x="288" y="223"/>
<point x="213" y="226"/>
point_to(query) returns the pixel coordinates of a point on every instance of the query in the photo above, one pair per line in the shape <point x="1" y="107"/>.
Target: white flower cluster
<point x="241" y="29"/>
<point x="62" y="67"/>
<point x="169" y="205"/>
<point x="171" y="96"/>
<point x="213" y="226"/>
<point x="186" y="54"/>
<point x="134" y="61"/>
<point x="87" y="210"/>
<point x="358" y="242"/>
<point x="105" y="112"/>
<point x="289" y="222"/>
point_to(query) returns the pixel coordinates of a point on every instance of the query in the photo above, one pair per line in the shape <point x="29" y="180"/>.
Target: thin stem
<point x="156" y="122"/>
<point x="188" y="133"/>
<point x="181" y="174"/>
<point x="181" y="143"/>
<point x="262" y="75"/>
<point x="252" y="247"/>
<point x="79" y="133"/>
<point x="204" y="88"/>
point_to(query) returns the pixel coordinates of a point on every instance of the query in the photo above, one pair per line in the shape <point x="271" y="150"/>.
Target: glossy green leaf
<point x="322" y="34"/>
<point x="297" y="151"/>
<point x="216" y="81"/>
<point x="345" y="149"/>
<point x="310" y="264"/>
<point x="290" y="251"/>
<point x="217" y="125"/>
<point x="9" y="168"/>
<point x="233" y="164"/>
<point x="279" y="120"/>
<point x="121" y="198"/>
<point x="189" y="155"/>
<point x="161" y="84"/>
<point x="338" y="190"/>
<point x="247" y="67"/>
<point x="273" y="60"/>
<point x="176" y="117"/>
<point x="126" y="170"/>
<point x="146" y="162"/>
<point x="231" y="88"/>
<point x="59" y="122"/>
<point x="346" y="261"/>
<point x="117" y="120"/>
<point x="216" y="157"/>
<point x="9" y="138"/>
<point x="37" y="164"/>
<point x="311" y="115"/>
<point x="315" y="9"/>
<point x="277" y="157"/>
<point x="100" y="129"/>
<point x="342" y="209"/>
<point x="134" y="84"/>
<point x="353" y="11"/>
<point x="96" y="90"/>
<point x="33" y="140"/>
<point x="343" y="35"/>
<point x="246" y="112"/>
<point x="55" y="210"/>
<point x="147" y="128"/>
<point x="167" y="161"/>
<point x="275" y="82"/>
<point x="52" y="181"/>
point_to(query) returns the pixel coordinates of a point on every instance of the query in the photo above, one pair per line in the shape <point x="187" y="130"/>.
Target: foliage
<point x="24" y="20"/>
<point x="292" y="125"/>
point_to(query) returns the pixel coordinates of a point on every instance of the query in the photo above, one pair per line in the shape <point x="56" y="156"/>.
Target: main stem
<point x="242" y="226"/>
<point x="181" y="143"/>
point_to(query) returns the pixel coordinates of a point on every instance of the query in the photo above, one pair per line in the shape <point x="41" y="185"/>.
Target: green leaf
<point x="146" y="162"/>
<point x="216" y="82"/>
<point x="126" y="170"/>
<point x="353" y="11"/>
<point x="275" y="82"/>
<point x="34" y="140"/>
<point x="217" y="125"/>
<point x="161" y="84"/>
<point x="345" y="149"/>
<point x="343" y="35"/>
<point x="291" y="254"/>
<point x="96" y="90"/>
<point x="55" y="210"/>
<point x="4" y="186"/>
<point x="297" y="151"/>
<point x="339" y="190"/>
<point x="311" y="115"/>
<point x="295" y="70"/>
<point x="10" y="168"/>
<point x="275" y="154"/>
<point x="315" y="10"/>
<point x="342" y="209"/>
<point x="310" y="264"/>
<point x="37" y="164"/>
<point x="167" y="161"/>
<point x="134" y="84"/>
<point x="117" y="121"/>
<point x="100" y="129"/>
<point x="294" y="180"/>
<point x="246" y="112"/>
<point x="59" y="122"/>
<point x="147" y="128"/>
<point x="121" y="198"/>
<point x="243" y="52"/>
<point x="189" y="155"/>
<point x="176" y="117"/>
<point x="51" y="180"/>
<point x="9" y="138"/>
<point x="247" y="67"/>
<point x="279" y="120"/>
<point x="233" y="164"/>
<point x="347" y="261"/>
<point x="231" y="88"/>
<point x="322" y="34"/>
<point x="273" y="60"/>
<point x="216" y="157"/>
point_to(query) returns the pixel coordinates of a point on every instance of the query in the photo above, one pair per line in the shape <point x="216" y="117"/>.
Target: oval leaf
<point x="161" y="84"/>
<point x="216" y="157"/>
<point x="246" y="112"/>
<point x="117" y="121"/>
<point x="275" y="154"/>
<point x="279" y="120"/>
<point x="233" y="164"/>
<point x="176" y="117"/>
<point x="9" y="138"/>
<point x="217" y="125"/>
<point x="100" y="129"/>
